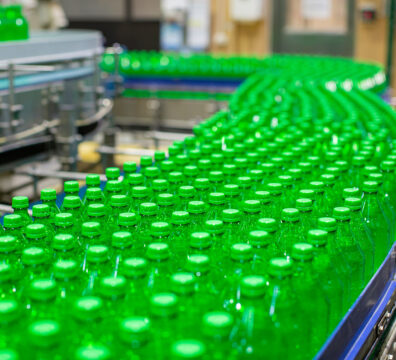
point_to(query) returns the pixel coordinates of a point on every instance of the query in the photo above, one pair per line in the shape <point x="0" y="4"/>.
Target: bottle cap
<point x="8" y="243"/>
<point x="96" y="210"/>
<point x="9" y="311"/>
<point x="350" y="192"/>
<point x="267" y="168"/>
<point x="378" y="177"/>
<point x="119" y="201"/>
<point x="20" y="202"/>
<point x="129" y="167"/>
<point x="44" y="333"/>
<point x="229" y="169"/>
<point x="285" y="180"/>
<point x="186" y="191"/>
<point x="160" y="228"/>
<point x="93" y="352"/>
<point x="159" y="155"/>
<point x="201" y="184"/>
<point x="216" y="198"/>
<point x="164" y="304"/>
<point x="94" y="194"/>
<point x="113" y="286"/>
<point x="7" y="273"/>
<point x="71" y="202"/>
<point x="253" y="286"/>
<point x="152" y="172"/>
<point x="256" y="174"/>
<point x="341" y="213"/>
<point x="180" y="218"/>
<point x="369" y="169"/>
<point x="148" y="209"/>
<point x="214" y="227"/>
<point x="217" y="323"/>
<point x="146" y="161"/>
<point x="175" y="177"/>
<point x="181" y="160"/>
<point x="263" y="196"/>
<point x="121" y="239"/>
<point x="317" y="186"/>
<point x="188" y="349"/>
<point x="88" y="308"/>
<point x="196" y="207"/>
<point x="251" y="206"/>
<point x="166" y="199"/>
<point x="63" y="242"/>
<point x="244" y="182"/>
<point x="91" y="229"/>
<point x="267" y="224"/>
<point x="280" y="267"/>
<point x="48" y="194"/>
<point x="204" y="164"/>
<point x="328" y="179"/>
<point x="183" y="283"/>
<point x="241" y="252"/>
<point x="190" y="170"/>
<point x="327" y="223"/>
<point x="65" y="269"/>
<point x="370" y="186"/>
<point x="33" y="256"/>
<point x="160" y="185"/>
<point x="307" y="194"/>
<point x="135" y="329"/>
<point x="388" y="165"/>
<point x="290" y="215"/>
<point x="92" y="180"/>
<point x="127" y="219"/>
<point x="200" y="240"/>
<point x="97" y="254"/>
<point x="13" y="221"/>
<point x="216" y="176"/>
<point x="158" y="251"/>
<point x="167" y="165"/>
<point x="112" y="173"/>
<point x="304" y="204"/>
<point x="135" y="179"/>
<point x="134" y="267"/>
<point x="114" y="186"/>
<point x="198" y="263"/>
<point x="231" y="190"/>
<point x="139" y="192"/>
<point x="274" y="188"/>
<point x="317" y="237"/>
<point x="36" y="231"/>
<point x="40" y="211"/>
<point x="259" y="238"/>
<point x="42" y="289"/>
<point x="302" y="252"/>
<point x="71" y="187"/>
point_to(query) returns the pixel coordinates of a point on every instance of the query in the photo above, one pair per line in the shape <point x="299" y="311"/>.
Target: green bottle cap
<point x="135" y="180"/>
<point x="94" y="193"/>
<point x="9" y="311"/>
<point x="42" y="289"/>
<point x="285" y="180"/>
<point x="253" y="286"/>
<point x="71" y="202"/>
<point x="152" y="172"/>
<point x="88" y="308"/>
<point x="36" y="231"/>
<point x="148" y="209"/>
<point x="342" y="165"/>
<point x="96" y="210"/>
<point x="20" y="202"/>
<point x="241" y="252"/>
<point x="164" y="304"/>
<point x="134" y="267"/>
<point x="263" y="196"/>
<point x="41" y="210"/>
<point x="166" y="199"/>
<point x="121" y="239"/>
<point x="160" y="228"/>
<point x="175" y="177"/>
<point x="127" y="219"/>
<point x="112" y="173"/>
<point x="256" y="174"/>
<point x="217" y="323"/>
<point x="135" y="329"/>
<point x="231" y="190"/>
<point x="204" y="164"/>
<point x="317" y="237"/>
<point x="91" y="229"/>
<point x="302" y="252"/>
<point x="44" y="333"/>
<point x="159" y="155"/>
<point x="48" y="194"/>
<point x="13" y="221"/>
<point x="231" y="215"/>
<point x="388" y="165"/>
<point x="370" y="186"/>
<point x="119" y="201"/>
<point x="275" y="189"/>
<point x="350" y="192"/>
<point x="196" y="207"/>
<point x="92" y="180"/>
<point x="7" y="273"/>
<point x="353" y="203"/>
<point x="93" y="352"/>
<point x="160" y="185"/>
<point x="307" y="194"/>
<point x="97" y="254"/>
<point x="251" y="206"/>
<point x="328" y="179"/>
<point x="114" y="186"/>
<point x="158" y="251"/>
<point x="65" y="269"/>
<point x="8" y="243"/>
<point x="327" y="223"/>
<point x="8" y="354"/>
<point x="200" y="240"/>
<point x="197" y="263"/>
<point x="181" y="160"/>
<point x="341" y="213"/>
<point x="268" y="224"/>
<point x="146" y="161"/>
<point x="215" y="227"/>
<point x="259" y="238"/>
<point x="139" y="192"/>
<point x="63" y="242"/>
<point x="201" y="184"/>
<point x="167" y="166"/>
<point x="180" y="218"/>
<point x="216" y="198"/>
<point x="186" y="191"/>
<point x="290" y="215"/>
<point x="71" y="187"/>
<point x="244" y="182"/>
<point x="188" y="349"/>
<point x="190" y="170"/>
<point x="216" y="176"/>
<point x="129" y="167"/>
<point x="183" y="283"/>
<point x="267" y="168"/>
<point x="280" y="267"/>
<point x="33" y="256"/>
<point x="378" y="177"/>
<point x="358" y="161"/>
<point x="111" y="287"/>
<point x="229" y="169"/>
<point x="317" y="186"/>
<point x="369" y="169"/>
<point x="304" y="205"/>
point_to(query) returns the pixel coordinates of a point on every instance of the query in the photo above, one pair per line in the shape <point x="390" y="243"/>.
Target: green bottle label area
<point x="250" y="239"/>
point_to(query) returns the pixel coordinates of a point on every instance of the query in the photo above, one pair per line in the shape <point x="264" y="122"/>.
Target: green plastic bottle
<point x="18" y="27"/>
<point x="72" y="205"/>
<point x="232" y="228"/>
<point x="159" y="186"/>
<point x="93" y="195"/>
<point x="93" y="352"/>
<point x="145" y="162"/>
<point x="181" y="230"/>
<point x="232" y="194"/>
<point x="42" y="215"/>
<point x="121" y="248"/>
<point x="135" y="339"/>
<point x="118" y="204"/>
<point x="44" y="339"/>
<point x="37" y="235"/>
<point x="188" y="349"/>
<point x="112" y="174"/>
<point x="13" y="226"/>
<point x="10" y="320"/>
<point x="34" y="264"/>
<point x="113" y="187"/>
<point x="65" y="247"/>
<point x="140" y="195"/>
<point x="197" y="210"/>
<point x="251" y="212"/>
<point x="42" y="300"/>
<point x="190" y="172"/>
<point x="20" y="205"/>
<point x="91" y="235"/>
<point x="96" y="266"/>
<point x="112" y="290"/>
<point x="305" y="207"/>
<point x="290" y="230"/>
<point x="129" y="167"/>
<point x="202" y="185"/>
<point x="159" y="264"/>
<point x="128" y="222"/>
<point x="64" y="224"/>
<point x="48" y="197"/>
